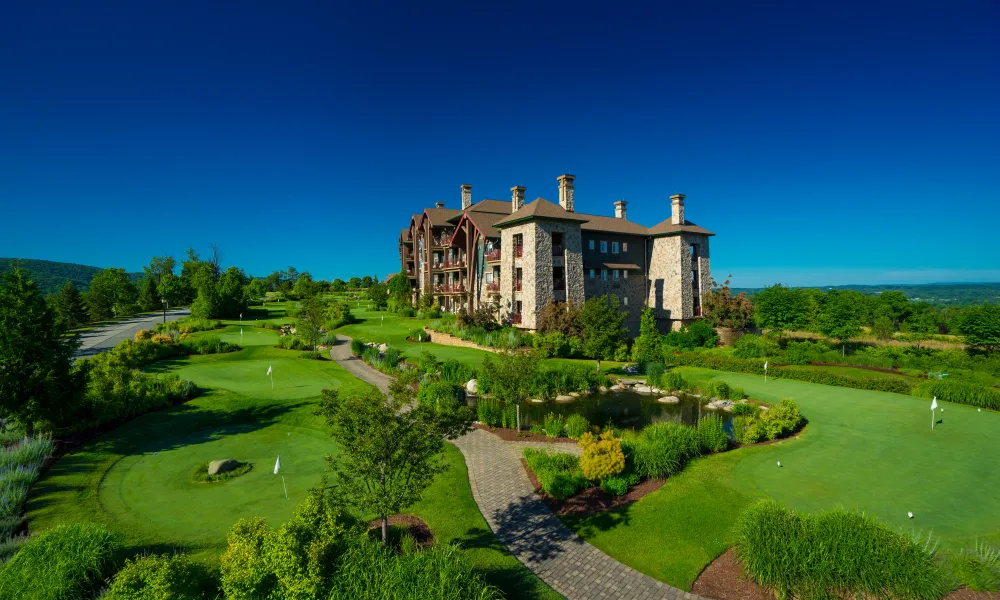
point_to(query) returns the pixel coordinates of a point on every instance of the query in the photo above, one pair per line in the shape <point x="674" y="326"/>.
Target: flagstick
<point x="284" y="486"/>
<point x="272" y="383"/>
<point x="932" y="420"/>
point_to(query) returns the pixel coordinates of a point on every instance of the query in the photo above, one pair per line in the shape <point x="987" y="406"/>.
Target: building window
<point x="625" y="300"/>
<point x="591" y="272"/>
<point x="614" y="247"/>
<point x="604" y="247"/>
<point x="615" y="274"/>
<point x="625" y="273"/>
<point x="624" y="246"/>
<point x="590" y="244"/>
<point x="604" y="274"/>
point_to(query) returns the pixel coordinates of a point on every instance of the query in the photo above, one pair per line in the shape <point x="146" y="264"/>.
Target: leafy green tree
<point x="232" y="293"/>
<point x="338" y="286"/>
<point x="36" y="379"/>
<point x="980" y="326"/>
<point x="883" y="328"/>
<point x="354" y="283"/>
<point x="70" y="306"/>
<point x="560" y="317"/>
<point x="894" y="305"/>
<point x="389" y="455"/>
<point x="648" y="347"/>
<point x="149" y="294"/>
<point x="378" y="296"/>
<point x="722" y="309"/>
<point x="366" y="281"/>
<point x="206" y="302"/>
<point x="309" y="322"/>
<point x="924" y="318"/>
<point x="602" y="327"/>
<point x="256" y="290"/>
<point x="780" y="308"/>
<point x="400" y="292"/>
<point x="839" y="318"/>
<point x="305" y="287"/>
<point x="111" y="294"/>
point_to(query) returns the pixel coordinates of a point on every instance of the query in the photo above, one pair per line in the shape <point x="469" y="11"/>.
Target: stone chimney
<point x="677" y="209"/>
<point x="466" y="196"/>
<point x="620" y="209"/>
<point x="439" y="204"/>
<point x="516" y="198"/>
<point x="566" y="191"/>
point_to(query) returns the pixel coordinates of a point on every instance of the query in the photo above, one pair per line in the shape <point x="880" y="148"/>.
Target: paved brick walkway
<point x="525" y="525"/>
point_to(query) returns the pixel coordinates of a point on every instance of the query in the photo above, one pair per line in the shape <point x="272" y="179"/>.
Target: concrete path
<point x="525" y="525"/>
<point x="107" y="336"/>
<point x="341" y="353"/>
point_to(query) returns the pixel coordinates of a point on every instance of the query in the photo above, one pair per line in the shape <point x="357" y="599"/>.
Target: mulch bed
<point x="511" y="435"/>
<point x="414" y="525"/>
<point x="590" y="501"/>
<point x="724" y="580"/>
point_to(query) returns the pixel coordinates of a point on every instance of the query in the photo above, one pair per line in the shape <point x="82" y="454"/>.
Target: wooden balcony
<point x="515" y="318"/>
<point x="453" y="288"/>
<point x="493" y="256"/>
<point x="493" y="286"/>
<point x="453" y="263"/>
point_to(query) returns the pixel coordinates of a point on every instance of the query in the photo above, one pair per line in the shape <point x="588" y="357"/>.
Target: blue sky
<point x="854" y="142"/>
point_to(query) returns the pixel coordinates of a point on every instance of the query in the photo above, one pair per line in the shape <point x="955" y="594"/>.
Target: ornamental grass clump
<point x="576" y="426"/>
<point x="978" y="569"/>
<point x="554" y="425"/>
<point x="835" y="554"/>
<point x="712" y="434"/>
<point x="662" y="449"/>
<point x="558" y="473"/>
<point x="69" y="561"/>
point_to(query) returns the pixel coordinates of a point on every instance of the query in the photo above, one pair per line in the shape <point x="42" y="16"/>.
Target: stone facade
<point x="671" y="279"/>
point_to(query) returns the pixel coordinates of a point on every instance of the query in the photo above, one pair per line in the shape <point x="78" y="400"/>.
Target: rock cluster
<point x="217" y="467"/>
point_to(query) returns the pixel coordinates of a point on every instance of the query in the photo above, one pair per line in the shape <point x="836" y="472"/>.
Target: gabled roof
<point x="540" y="209"/>
<point x="439" y="216"/>
<point x="497" y="207"/>
<point x="404" y="235"/>
<point x="668" y="228"/>
<point x="613" y="224"/>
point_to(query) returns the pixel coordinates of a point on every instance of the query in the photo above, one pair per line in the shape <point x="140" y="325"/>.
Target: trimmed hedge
<point x="959" y="393"/>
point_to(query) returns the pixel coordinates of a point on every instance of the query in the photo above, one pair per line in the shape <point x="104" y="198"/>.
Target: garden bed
<point x="593" y="500"/>
<point x="512" y="435"/>
<point x="413" y="524"/>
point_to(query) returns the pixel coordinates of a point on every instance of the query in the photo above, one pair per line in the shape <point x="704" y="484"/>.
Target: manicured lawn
<point x="851" y="372"/>
<point x="868" y="450"/>
<point x="137" y="478"/>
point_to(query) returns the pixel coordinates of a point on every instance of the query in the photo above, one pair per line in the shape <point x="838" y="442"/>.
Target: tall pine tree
<point x="70" y="306"/>
<point x="36" y="379"/>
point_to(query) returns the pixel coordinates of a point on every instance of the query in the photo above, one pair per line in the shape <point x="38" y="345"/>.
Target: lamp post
<point x="164" y="301"/>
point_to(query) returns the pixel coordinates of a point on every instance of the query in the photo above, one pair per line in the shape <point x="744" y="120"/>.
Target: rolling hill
<point x="51" y="276"/>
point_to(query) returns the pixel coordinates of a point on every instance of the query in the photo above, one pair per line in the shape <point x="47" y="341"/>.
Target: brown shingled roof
<point x="613" y="224"/>
<point x="439" y="216"/>
<point x="540" y="209"/>
<point x="668" y="228"/>
<point x="405" y="235"/>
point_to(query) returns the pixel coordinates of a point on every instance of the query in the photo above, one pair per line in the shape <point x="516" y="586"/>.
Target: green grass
<point x="137" y="479"/>
<point x="872" y="451"/>
<point x="852" y="372"/>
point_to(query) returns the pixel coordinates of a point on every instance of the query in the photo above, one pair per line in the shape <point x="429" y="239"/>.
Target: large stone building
<point x="523" y="255"/>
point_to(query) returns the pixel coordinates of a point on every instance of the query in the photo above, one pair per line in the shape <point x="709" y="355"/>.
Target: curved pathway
<point x="105" y="337"/>
<point x="524" y="524"/>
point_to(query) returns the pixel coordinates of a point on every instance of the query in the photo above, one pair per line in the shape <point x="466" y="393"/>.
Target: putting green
<point x="151" y="491"/>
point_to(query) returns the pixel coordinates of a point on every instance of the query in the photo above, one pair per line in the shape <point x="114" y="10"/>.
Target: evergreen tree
<point x="149" y="296"/>
<point x="70" y="306"/>
<point x="36" y="379"/>
<point x="603" y="327"/>
<point x="648" y="347"/>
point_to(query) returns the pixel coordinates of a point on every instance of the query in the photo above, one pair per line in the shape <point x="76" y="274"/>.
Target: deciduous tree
<point x="111" y="294"/>
<point x="602" y="327"/>
<point x="980" y="325"/>
<point x="778" y="307"/>
<point x="839" y="318"/>
<point x="309" y="324"/>
<point x="378" y="296"/>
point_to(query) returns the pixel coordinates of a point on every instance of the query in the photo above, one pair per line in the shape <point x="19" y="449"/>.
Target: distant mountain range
<point x="51" y="276"/>
<point x="938" y="294"/>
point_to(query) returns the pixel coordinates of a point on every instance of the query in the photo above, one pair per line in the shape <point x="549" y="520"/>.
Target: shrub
<point x="489" y="412"/>
<point x="618" y="485"/>
<point x="554" y="425"/>
<point x="698" y="334"/>
<point x="959" y="393"/>
<point x="161" y="577"/>
<point x="745" y="409"/>
<point x="558" y="473"/>
<point x="654" y="373"/>
<point x="717" y="389"/>
<point x="673" y="381"/>
<point x="408" y="312"/>
<point x="755" y="346"/>
<point x="443" y="396"/>
<point x="456" y="372"/>
<point x="428" y="363"/>
<point x="748" y="430"/>
<point x="418" y="335"/>
<point x="143" y="334"/>
<point x="781" y="420"/>
<point x="712" y="434"/>
<point x="69" y="561"/>
<point x="602" y="457"/>
<point x="808" y="556"/>
<point x="328" y="339"/>
<point x="576" y="426"/>
<point x="211" y="344"/>
<point x="736" y="393"/>
<point x="547" y="345"/>
<point x="291" y="342"/>
<point x="662" y="449"/>
<point x="357" y="347"/>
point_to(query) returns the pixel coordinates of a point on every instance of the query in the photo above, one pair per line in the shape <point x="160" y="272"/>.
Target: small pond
<point x="623" y="409"/>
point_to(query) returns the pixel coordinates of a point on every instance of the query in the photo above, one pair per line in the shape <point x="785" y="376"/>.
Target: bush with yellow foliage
<point x="602" y="457"/>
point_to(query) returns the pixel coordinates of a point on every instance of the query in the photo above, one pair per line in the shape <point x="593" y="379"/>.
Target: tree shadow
<point x="531" y="532"/>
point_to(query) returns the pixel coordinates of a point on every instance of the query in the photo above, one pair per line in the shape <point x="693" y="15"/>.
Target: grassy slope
<point x="137" y="478"/>
<point x="867" y="450"/>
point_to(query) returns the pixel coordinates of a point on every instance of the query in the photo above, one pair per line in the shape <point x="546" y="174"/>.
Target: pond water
<point x="624" y="409"/>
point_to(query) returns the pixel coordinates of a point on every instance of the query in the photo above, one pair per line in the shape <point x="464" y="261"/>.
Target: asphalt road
<point x="107" y="336"/>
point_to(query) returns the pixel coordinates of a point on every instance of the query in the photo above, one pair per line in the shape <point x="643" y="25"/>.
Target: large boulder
<point x="472" y="386"/>
<point x="565" y="398"/>
<point x="669" y="400"/>
<point x="644" y="389"/>
<point x="217" y="467"/>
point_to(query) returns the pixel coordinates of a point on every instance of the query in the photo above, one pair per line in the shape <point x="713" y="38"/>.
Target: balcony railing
<point x="518" y="250"/>
<point x="493" y="255"/>
<point x="517" y="285"/>
<point x="493" y="286"/>
<point x="557" y="249"/>
<point x="451" y="263"/>
<point x="559" y="285"/>
<point x="453" y="288"/>
<point x="409" y="273"/>
<point x="440" y="240"/>
<point x="515" y="318"/>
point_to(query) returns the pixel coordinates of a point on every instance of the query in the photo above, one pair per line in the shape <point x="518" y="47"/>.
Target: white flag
<point x="269" y="370"/>
<point x="934" y="403"/>
<point x="277" y="465"/>
<point x="765" y="365"/>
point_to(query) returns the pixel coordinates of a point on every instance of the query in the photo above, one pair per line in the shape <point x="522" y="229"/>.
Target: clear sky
<point x="825" y="143"/>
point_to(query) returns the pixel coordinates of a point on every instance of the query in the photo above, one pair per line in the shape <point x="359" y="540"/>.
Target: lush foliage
<point x="980" y="326"/>
<point x="712" y="434"/>
<point x="576" y="426"/>
<point x="602" y="456"/>
<point x="20" y="464"/>
<point x="835" y="552"/>
<point x="111" y="294"/>
<point x="959" y="393"/>
<point x="602" y="327"/>
<point x="71" y="306"/>
<point x="554" y="424"/>
<point x="69" y="561"/>
<point x="756" y="346"/>
<point x="699" y="334"/>
<point x="661" y="449"/>
<point x="723" y="309"/>
<point x="494" y="413"/>
<point x="36" y="380"/>
<point x="781" y="420"/>
<point x="161" y="577"/>
<point x="558" y="473"/>
<point x="648" y="346"/>
<point x="505" y="338"/>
